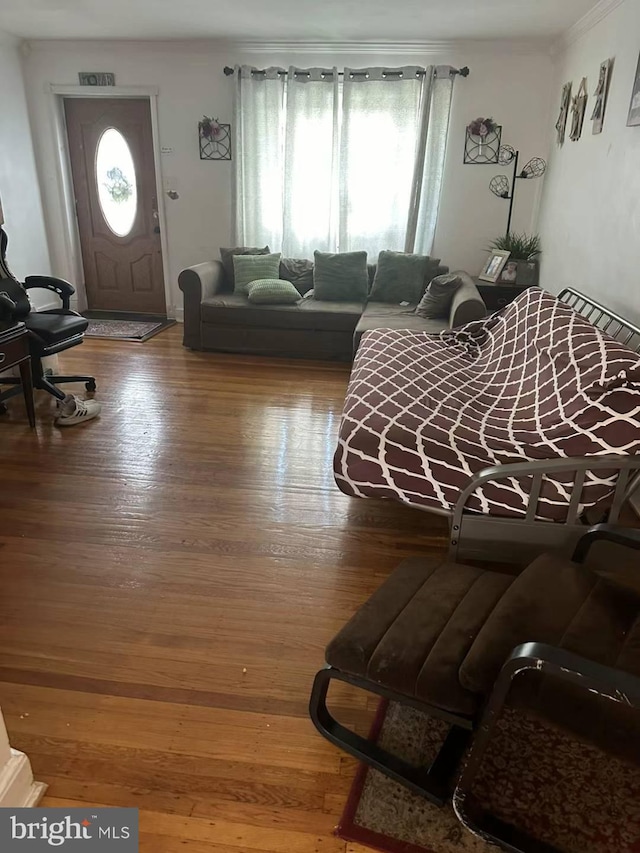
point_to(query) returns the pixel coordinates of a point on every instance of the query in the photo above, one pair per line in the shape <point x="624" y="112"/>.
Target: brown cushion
<point x="563" y="604"/>
<point x="413" y="633"/>
<point x="226" y="256"/>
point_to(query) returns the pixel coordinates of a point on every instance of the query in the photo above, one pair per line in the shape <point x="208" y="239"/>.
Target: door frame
<point x="73" y="255"/>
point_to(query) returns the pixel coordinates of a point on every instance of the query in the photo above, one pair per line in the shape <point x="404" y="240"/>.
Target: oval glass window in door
<point x="116" y="180"/>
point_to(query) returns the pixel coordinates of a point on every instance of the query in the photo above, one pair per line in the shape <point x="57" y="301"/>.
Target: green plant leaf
<point x="522" y="247"/>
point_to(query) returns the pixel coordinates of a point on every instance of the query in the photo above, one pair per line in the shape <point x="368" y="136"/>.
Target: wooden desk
<point x="14" y="352"/>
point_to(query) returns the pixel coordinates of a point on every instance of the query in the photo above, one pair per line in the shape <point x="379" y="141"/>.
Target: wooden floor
<point x="170" y="575"/>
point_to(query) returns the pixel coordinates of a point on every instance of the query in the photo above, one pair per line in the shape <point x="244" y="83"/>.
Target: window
<point x="116" y="180"/>
<point x="340" y="164"/>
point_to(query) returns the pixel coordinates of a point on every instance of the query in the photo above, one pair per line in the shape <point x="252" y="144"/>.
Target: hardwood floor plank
<point x="170" y="574"/>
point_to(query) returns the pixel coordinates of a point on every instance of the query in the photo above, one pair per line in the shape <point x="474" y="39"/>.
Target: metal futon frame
<point x="473" y="535"/>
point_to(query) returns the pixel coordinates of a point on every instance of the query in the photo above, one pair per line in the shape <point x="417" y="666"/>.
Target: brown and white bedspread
<point x="423" y="413"/>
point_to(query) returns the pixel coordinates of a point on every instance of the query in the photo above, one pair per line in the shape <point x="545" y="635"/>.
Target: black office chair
<point x="50" y="332"/>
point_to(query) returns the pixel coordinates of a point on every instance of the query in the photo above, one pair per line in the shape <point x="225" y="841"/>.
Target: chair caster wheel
<point x="91" y="385"/>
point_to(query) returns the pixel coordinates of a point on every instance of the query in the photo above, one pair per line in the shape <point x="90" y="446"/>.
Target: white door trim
<point x="64" y="180"/>
<point x="17" y="786"/>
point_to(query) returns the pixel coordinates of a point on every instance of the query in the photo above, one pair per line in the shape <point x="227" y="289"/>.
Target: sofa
<point x="216" y="318"/>
<point x="531" y="415"/>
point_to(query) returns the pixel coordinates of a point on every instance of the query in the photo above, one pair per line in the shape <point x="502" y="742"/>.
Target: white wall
<point x="511" y="82"/>
<point x="590" y="214"/>
<point x="19" y="191"/>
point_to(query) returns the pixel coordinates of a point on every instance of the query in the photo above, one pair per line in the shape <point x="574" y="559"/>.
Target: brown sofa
<point x="215" y="318"/>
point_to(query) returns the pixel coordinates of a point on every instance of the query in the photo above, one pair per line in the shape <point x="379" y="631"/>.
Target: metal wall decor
<point x="215" y="139"/>
<point x="482" y="142"/>
<point x="601" y="94"/>
<point x="502" y="187"/>
<point x="96" y="78"/>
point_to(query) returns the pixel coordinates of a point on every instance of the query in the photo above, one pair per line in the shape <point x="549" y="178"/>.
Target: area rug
<point x="131" y="328"/>
<point x="545" y="781"/>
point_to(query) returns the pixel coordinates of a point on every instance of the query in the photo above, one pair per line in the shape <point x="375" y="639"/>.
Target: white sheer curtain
<point x="429" y="176"/>
<point x="258" y="172"/>
<point x="340" y="166"/>
<point x="311" y="162"/>
<point x="379" y="141"/>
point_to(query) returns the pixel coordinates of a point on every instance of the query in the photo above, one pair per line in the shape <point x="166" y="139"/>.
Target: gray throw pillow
<point x="248" y="268"/>
<point x="226" y="256"/>
<point x="340" y="277"/>
<point x="438" y="296"/>
<point x="299" y="271"/>
<point x="400" y="277"/>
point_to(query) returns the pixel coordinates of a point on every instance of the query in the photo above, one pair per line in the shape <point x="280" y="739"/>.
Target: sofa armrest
<point x="197" y="283"/>
<point x="467" y="304"/>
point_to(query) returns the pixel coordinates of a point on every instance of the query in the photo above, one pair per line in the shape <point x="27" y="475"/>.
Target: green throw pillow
<point x="248" y="268"/>
<point x="340" y="278"/>
<point x="227" y="255"/>
<point x="399" y="277"/>
<point x="272" y="291"/>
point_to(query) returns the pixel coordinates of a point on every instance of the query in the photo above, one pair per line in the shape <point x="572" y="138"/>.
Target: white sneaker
<point x="76" y="411"/>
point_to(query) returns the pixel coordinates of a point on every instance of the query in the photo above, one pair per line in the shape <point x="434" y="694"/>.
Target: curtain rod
<point x="463" y="72"/>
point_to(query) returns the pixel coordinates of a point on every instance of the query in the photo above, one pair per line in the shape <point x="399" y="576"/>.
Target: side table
<point x="497" y="295"/>
<point x="14" y="352"/>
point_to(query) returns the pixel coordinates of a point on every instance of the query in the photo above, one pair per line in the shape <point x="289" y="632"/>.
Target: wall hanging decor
<point x="215" y="139"/>
<point x="96" y="78"/>
<point x="565" y="103"/>
<point x="482" y="141"/>
<point x="502" y="187"/>
<point x="601" y="95"/>
<point x="634" y="106"/>
<point x="578" y="109"/>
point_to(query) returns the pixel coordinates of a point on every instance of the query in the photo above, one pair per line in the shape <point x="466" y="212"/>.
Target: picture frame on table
<point x="634" y="107"/>
<point x="494" y="265"/>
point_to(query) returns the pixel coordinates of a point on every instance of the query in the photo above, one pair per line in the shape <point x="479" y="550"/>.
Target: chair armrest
<point x="197" y="283"/>
<point x="467" y="304"/>
<point x="585" y="675"/>
<point x="605" y="680"/>
<point x="58" y="285"/>
<point x="609" y="533"/>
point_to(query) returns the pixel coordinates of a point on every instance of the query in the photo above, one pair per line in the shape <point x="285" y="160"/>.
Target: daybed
<point x="527" y="417"/>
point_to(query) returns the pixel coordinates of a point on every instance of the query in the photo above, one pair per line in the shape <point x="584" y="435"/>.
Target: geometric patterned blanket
<point x="423" y="413"/>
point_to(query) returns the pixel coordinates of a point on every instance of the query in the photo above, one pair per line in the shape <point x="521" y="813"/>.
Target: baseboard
<point x="177" y="314"/>
<point x="17" y="786"/>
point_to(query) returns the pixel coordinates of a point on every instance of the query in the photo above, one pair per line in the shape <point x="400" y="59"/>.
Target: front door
<point x="111" y="152"/>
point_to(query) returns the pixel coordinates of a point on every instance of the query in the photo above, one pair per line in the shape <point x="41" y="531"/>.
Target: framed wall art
<point x="601" y="94"/>
<point x="578" y="109"/>
<point x="565" y="103"/>
<point x="634" y="106"/>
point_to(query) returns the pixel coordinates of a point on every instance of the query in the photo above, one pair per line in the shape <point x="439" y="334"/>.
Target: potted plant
<point x="524" y="250"/>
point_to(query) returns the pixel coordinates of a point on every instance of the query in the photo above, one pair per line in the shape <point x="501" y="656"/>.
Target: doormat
<point x="538" y="777"/>
<point x="129" y="327"/>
